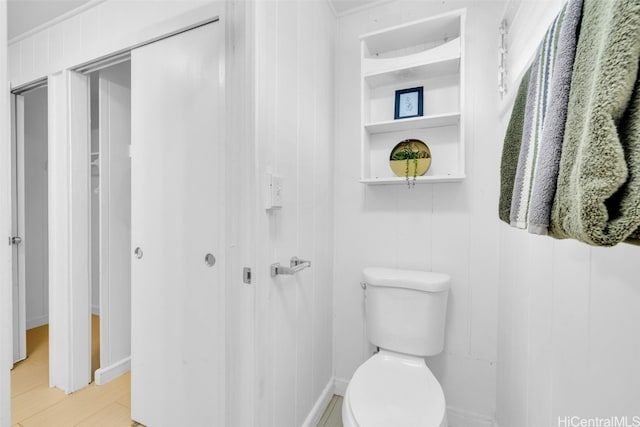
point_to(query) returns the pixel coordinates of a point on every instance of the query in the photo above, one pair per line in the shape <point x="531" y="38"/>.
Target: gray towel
<point x="537" y="104"/>
<point x="511" y="149"/>
<point x="597" y="198"/>
<point x="550" y="146"/>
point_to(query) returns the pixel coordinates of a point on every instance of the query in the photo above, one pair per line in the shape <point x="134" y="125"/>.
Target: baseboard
<point x="460" y="418"/>
<point x="95" y="310"/>
<point x="104" y="375"/>
<point x="340" y="387"/>
<point x="38" y="321"/>
<point x="321" y="404"/>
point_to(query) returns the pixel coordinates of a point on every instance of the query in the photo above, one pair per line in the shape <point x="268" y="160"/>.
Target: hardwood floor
<point x="35" y="404"/>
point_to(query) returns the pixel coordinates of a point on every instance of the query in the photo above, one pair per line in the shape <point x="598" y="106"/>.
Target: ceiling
<point x="25" y="15"/>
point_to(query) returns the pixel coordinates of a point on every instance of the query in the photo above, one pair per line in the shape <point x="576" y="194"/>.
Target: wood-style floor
<point x="35" y="404"/>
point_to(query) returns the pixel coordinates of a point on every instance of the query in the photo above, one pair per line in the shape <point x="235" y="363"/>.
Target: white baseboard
<point x="104" y="375"/>
<point x="95" y="310"/>
<point x="321" y="404"/>
<point x="340" y="387"/>
<point x="38" y="321"/>
<point x="460" y="418"/>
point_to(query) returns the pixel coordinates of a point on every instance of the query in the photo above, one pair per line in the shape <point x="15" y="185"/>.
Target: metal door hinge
<point x="246" y="275"/>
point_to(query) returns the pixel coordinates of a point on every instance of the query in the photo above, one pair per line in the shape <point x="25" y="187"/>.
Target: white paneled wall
<point x="287" y="372"/>
<point x="104" y="29"/>
<point x="569" y="317"/>
<point x="449" y="227"/>
<point x="294" y="130"/>
<point x="36" y="221"/>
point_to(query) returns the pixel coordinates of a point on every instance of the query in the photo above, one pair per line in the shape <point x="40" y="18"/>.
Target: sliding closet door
<point x="178" y="194"/>
<point x="18" y="229"/>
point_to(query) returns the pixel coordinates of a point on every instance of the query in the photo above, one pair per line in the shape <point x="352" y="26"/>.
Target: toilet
<point x="405" y="317"/>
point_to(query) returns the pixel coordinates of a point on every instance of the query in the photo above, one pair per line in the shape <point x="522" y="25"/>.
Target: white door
<point x="178" y="199"/>
<point x="115" y="221"/>
<point x="17" y="229"/>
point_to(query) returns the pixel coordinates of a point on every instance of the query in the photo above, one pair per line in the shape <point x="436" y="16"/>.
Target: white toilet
<point x="405" y="312"/>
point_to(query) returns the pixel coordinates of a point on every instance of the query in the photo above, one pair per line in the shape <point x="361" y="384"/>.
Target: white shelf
<point x="414" y="72"/>
<point x="441" y="53"/>
<point x="395" y="180"/>
<point x="424" y="31"/>
<point x="449" y="119"/>
<point x="428" y="53"/>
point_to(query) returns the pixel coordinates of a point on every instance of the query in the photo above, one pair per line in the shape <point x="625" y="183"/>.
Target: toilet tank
<point x="406" y="309"/>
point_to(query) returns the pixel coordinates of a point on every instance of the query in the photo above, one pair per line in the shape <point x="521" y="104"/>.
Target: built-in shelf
<point x="427" y="60"/>
<point x="428" y="53"/>
<point x="450" y="119"/>
<point x="413" y="72"/>
<point x="425" y="31"/>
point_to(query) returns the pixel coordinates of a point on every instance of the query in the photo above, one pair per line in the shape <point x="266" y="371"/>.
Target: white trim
<point x="461" y="418"/>
<point x="54" y="21"/>
<point x="332" y="8"/>
<point x="361" y="8"/>
<point x="69" y="232"/>
<point x="79" y="186"/>
<point x="104" y="375"/>
<point x="19" y="207"/>
<point x="38" y="321"/>
<point x="340" y="386"/>
<point x="6" y="309"/>
<point x="320" y="405"/>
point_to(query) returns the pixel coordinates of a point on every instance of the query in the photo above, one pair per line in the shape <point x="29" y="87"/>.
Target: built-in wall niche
<point x="429" y="54"/>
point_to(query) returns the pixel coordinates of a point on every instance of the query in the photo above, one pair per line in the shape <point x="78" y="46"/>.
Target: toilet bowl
<point x="405" y="315"/>
<point x="392" y="389"/>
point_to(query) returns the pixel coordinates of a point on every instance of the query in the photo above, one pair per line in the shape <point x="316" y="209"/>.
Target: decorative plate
<point x="410" y="158"/>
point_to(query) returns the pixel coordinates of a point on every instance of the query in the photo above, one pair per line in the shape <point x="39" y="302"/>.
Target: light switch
<point x="274" y="192"/>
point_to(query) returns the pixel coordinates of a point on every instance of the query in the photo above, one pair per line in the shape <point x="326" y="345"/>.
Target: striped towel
<point x="535" y="113"/>
<point x="511" y="149"/>
<point x="550" y="145"/>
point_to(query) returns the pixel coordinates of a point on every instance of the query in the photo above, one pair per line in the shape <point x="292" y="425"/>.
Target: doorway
<point x="110" y="94"/>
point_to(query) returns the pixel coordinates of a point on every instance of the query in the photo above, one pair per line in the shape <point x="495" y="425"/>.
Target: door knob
<point x="138" y="253"/>
<point x="210" y="260"/>
<point x="16" y="240"/>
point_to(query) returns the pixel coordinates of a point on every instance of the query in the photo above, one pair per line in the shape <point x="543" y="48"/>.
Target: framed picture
<point x="408" y="103"/>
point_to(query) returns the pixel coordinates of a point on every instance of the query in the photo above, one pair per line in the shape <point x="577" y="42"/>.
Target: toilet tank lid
<point x="426" y="281"/>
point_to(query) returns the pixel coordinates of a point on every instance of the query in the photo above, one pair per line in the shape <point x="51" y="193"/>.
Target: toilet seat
<point x="397" y="390"/>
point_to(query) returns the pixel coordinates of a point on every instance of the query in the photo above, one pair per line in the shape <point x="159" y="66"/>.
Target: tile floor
<point x="332" y="416"/>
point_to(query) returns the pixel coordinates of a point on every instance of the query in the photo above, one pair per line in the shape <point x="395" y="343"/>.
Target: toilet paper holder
<point x="295" y="264"/>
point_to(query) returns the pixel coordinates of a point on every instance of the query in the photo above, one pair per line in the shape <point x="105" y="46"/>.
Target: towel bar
<point x="296" y="264"/>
